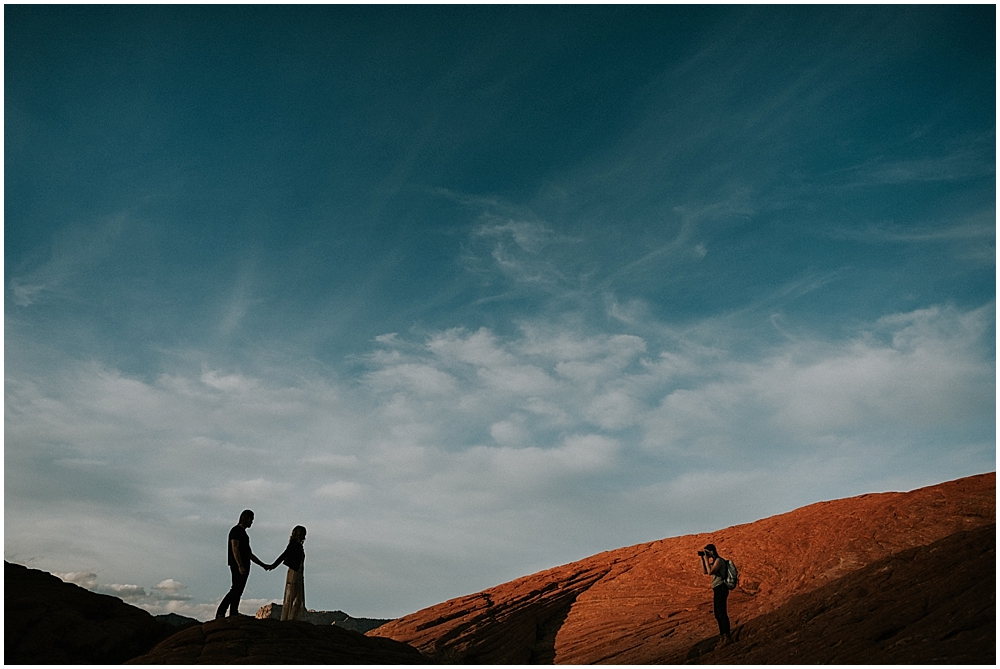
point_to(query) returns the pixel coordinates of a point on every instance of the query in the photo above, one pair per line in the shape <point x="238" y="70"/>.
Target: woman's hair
<point x="711" y="548"/>
<point x="298" y="533"/>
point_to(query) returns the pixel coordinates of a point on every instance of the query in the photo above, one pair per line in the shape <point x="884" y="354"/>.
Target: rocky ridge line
<point x="640" y="604"/>
<point x="272" y="611"/>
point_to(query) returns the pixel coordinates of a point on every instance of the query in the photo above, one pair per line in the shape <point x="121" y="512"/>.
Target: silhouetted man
<point x="240" y="557"/>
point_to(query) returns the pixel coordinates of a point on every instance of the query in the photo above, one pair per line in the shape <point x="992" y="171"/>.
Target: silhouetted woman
<point x="294" y="606"/>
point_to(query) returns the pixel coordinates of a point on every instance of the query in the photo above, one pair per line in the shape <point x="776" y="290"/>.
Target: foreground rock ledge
<point x="246" y="640"/>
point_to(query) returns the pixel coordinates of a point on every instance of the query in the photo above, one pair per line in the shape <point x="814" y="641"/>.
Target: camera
<point x="701" y="553"/>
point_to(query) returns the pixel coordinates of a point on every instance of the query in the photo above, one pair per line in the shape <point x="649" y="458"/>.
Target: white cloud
<point x="162" y="598"/>
<point x="510" y="432"/>
<point x="480" y="349"/>
<point x="525" y="380"/>
<point x="169" y="585"/>
<point x="927" y="372"/>
<point x="84" y="579"/>
<point x="129" y="593"/>
<point x="614" y="410"/>
<point x="227" y="382"/>
<point x="423" y="379"/>
<point x="549" y="443"/>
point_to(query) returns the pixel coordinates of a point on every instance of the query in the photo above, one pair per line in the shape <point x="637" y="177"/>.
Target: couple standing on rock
<point x="240" y="557"/>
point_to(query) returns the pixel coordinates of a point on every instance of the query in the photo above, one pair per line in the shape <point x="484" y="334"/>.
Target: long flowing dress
<point x="294" y="605"/>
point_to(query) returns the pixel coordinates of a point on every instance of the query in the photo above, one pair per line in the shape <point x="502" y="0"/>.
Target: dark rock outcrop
<point x="246" y="640"/>
<point x="650" y="603"/>
<point x="338" y="618"/>
<point x="47" y="621"/>
<point x="932" y="604"/>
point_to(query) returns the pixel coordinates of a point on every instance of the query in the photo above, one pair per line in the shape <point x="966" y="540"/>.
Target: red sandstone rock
<point x="246" y="640"/>
<point x="932" y="604"/>
<point x="650" y="603"/>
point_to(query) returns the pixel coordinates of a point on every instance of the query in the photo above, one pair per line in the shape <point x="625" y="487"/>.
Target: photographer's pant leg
<point x="721" y="614"/>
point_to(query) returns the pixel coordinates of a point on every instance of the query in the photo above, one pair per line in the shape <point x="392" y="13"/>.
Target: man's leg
<point x="232" y="599"/>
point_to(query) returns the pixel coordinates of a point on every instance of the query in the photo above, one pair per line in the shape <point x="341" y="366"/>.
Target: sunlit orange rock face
<point x="933" y="604"/>
<point x="651" y="603"/>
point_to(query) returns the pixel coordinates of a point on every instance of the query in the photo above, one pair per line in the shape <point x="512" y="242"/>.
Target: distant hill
<point x="650" y="603"/>
<point x="339" y="618"/>
<point x="177" y="620"/>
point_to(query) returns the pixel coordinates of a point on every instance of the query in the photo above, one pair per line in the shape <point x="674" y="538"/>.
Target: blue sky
<point x="475" y="291"/>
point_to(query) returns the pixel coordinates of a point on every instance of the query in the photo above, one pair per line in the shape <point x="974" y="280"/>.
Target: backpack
<point x="732" y="575"/>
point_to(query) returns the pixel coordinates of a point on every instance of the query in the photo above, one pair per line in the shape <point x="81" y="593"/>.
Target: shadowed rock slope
<point x="246" y="640"/>
<point x="927" y="605"/>
<point x="47" y="621"/>
<point x="650" y="603"/>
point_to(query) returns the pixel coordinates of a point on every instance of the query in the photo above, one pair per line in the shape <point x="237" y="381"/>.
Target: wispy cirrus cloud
<point x="519" y="251"/>
<point x="977" y="228"/>
<point x="964" y="157"/>
<point x="74" y="252"/>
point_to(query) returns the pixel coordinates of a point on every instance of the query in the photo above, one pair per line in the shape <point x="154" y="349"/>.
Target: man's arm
<point x="254" y="558"/>
<point x="276" y="562"/>
<point x="234" y="546"/>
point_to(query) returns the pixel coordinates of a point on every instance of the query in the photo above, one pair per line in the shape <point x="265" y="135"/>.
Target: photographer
<point x="716" y="567"/>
